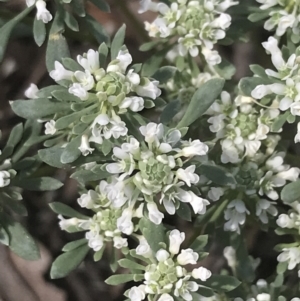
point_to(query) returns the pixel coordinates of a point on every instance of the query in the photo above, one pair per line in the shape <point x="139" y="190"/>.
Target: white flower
<point x="230" y="153"/>
<point x="135" y="103"/>
<point x="125" y="59"/>
<point x="124" y="223"/>
<point x="147" y="5"/>
<point x="262" y="208"/>
<point x="143" y="248"/>
<point x="152" y="132"/>
<point x="261" y="91"/>
<point x="284" y="221"/>
<point x="42" y="12"/>
<point x="50" y="127"/>
<point x="87" y="200"/>
<point x="223" y="21"/>
<point x="263" y="297"/>
<point x="187" y="175"/>
<point x="30" y="2"/>
<point x="230" y="255"/>
<point x="4" y="178"/>
<point x="85" y="146"/>
<point x="272" y="46"/>
<point x="120" y="242"/>
<point x="212" y="57"/>
<point x="155" y="215"/>
<point x="137" y="293"/>
<point x="150" y="90"/>
<point x="90" y="61"/>
<point x="295" y="108"/>
<point x="60" y="73"/>
<point x="215" y="193"/>
<point x="291" y="255"/>
<point x="297" y="136"/>
<point x="194" y="148"/>
<point x="198" y="204"/>
<point x="162" y="255"/>
<point x="31" y="91"/>
<point x="187" y="256"/>
<point x="201" y="273"/>
<point x="165" y="297"/>
<point x="175" y="240"/>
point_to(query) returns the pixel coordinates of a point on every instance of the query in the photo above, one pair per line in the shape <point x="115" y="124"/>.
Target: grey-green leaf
<point x="117" y="42"/>
<point x="129" y="264"/>
<point x="171" y="109"/>
<point x="74" y="245"/>
<point x="291" y="192"/>
<point x="66" y="210"/>
<point x="71" y="151"/>
<point x="102" y="5"/>
<point x="221" y="283"/>
<point x="38" y="184"/>
<point x="119" y="279"/>
<point x="38" y="108"/>
<point x="68" y="261"/>
<point x="201" y="101"/>
<point x="51" y="156"/>
<point x="164" y="73"/>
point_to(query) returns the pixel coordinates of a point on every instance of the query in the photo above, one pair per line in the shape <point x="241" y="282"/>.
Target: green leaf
<point x="71" y="65"/>
<point x="216" y="174"/>
<point x="129" y="264"/>
<point x="20" y="241"/>
<point x="65" y="121"/>
<point x="4" y="237"/>
<point x="221" y="283"/>
<point x="103" y="52"/>
<point x="184" y="211"/>
<point x="71" y="22"/>
<point x="57" y="47"/>
<point x="39" y="31"/>
<point x="98" y="255"/>
<point x="279" y="121"/>
<point x="102" y="5"/>
<point x="171" y="109"/>
<point x="74" y="245"/>
<point x="152" y="64"/>
<point x="78" y="7"/>
<point x="148" y="46"/>
<point x="117" y="42"/>
<point x="291" y="192"/>
<point x="225" y="69"/>
<point x="66" y="210"/>
<point x="6" y="29"/>
<point x="38" y="184"/>
<point x="258" y="70"/>
<point x="119" y="279"/>
<point x="68" y="261"/>
<point x="199" y="243"/>
<point x="154" y="234"/>
<point x="258" y="16"/>
<point x="38" y="108"/>
<point x="248" y="84"/>
<point x="164" y="73"/>
<point x="15" y="206"/>
<point x="51" y="156"/>
<point x="96" y="29"/>
<point x="71" y="151"/>
<point x="84" y="176"/>
<point x="201" y="101"/>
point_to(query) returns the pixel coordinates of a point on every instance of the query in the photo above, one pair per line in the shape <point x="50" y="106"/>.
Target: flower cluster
<point x="98" y="96"/>
<point x="283" y="84"/>
<point x="159" y="171"/>
<point x="166" y="275"/>
<point x="239" y="126"/>
<point x="198" y="24"/>
<point x="284" y="15"/>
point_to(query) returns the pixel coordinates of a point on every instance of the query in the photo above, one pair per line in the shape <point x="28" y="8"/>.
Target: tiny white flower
<point x="4" y="178"/>
<point x="143" y="248"/>
<point x="85" y="146"/>
<point x="30" y="2"/>
<point x="284" y="221"/>
<point x="162" y="255"/>
<point x="60" y="73"/>
<point x="125" y="59"/>
<point x="120" y="242"/>
<point x="50" y="127"/>
<point x="79" y="91"/>
<point x="137" y="293"/>
<point x="187" y="175"/>
<point x="230" y="255"/>
<point x="90" y="61"/>
<point x="42" y="12"/>
<point x="187" y="256"/>
<point x="215" y="193"/>
<point x="175" y="240"/>
<point x="135" y="103"/>
<point x="201" y="273"/>
<point x="165" y="297"/>
<point x="124" y="223"/>
<point x="147" y="5"/>
<point x="155" y="215"/>
<point x="152" y="132"/>
<point x="31" y="91"/>
<point x="150" y="90"/>
<point x="297" y="136"/>
<point x="194" y="148"/>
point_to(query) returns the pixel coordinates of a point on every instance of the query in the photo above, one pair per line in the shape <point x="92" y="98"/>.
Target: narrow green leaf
<point x="97" y="30"/>
<point x="39" y="31"/>
<point x="216" y="174"/>
<point x="199" y="243"/>
<point x="71" y="22"/>
<point x="71" y="151"/>
<point x="164" y="73"/>
<point x="184" y="211"/>
<point x="98" y="255"/>
<point x="51" y="156"/>
<point x="291" y="192"/>
<point x="119" y="279"/>
<point x="103" y="52"/>
<point x="152" y="64"/>
<point x="66" y="210"/>
<point x="85" y="176"/>
<point x="20" y="242"/>
<point x="38" y="184"/>
<point x="117" y="42"/>
<point x="57" y="47"/>
<point x="221" y="283"/>
<point x="6" y="29"/>
<point x="129" y="264"/>
<point x="248" y="84"/>
<point x="102" y="5"/>
<point x="225" y="69"/>
<point x="68" y="261"/>
<point x="201" y="101"/>
<point x="71" y="65"/>
<point x="171" y="109"/>
<point x="74" y="245"/>
<point x="78" y="7"/>
<point x="154" y="234"/>
<point x="37" y="108"/>
<point x="280" y="121"/>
